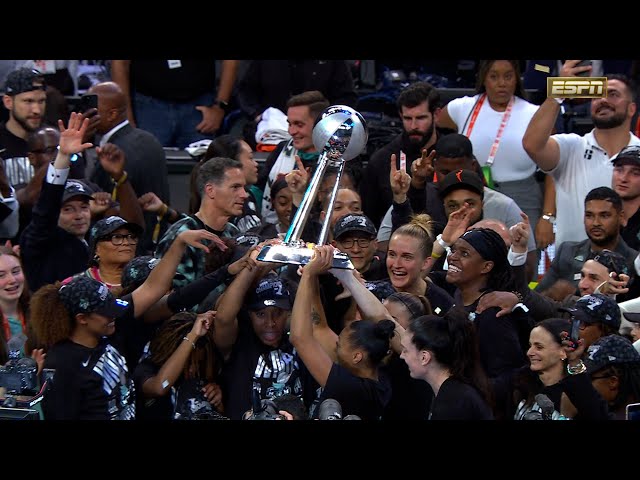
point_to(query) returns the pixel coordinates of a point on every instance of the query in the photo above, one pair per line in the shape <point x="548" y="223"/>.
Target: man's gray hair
<point x="213" y="170"/>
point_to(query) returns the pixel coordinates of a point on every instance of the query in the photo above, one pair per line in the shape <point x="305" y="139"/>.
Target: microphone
<point x="330" y="409"/>
<point x="546" y="405"/>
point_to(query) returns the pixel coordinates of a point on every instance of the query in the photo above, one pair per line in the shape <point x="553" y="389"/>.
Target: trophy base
<point x="283" y="253"/>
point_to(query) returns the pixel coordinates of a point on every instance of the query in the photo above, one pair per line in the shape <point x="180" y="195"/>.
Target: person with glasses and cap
<point x="614" y="367"/>
<point x="112" y="245"/>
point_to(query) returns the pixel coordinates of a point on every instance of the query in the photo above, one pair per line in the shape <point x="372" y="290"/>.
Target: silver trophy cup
<point x="340" y="134"/>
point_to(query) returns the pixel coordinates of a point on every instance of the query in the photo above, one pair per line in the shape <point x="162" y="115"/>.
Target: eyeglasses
<point x="118" y="238"/>
<point x="350" y="242"/>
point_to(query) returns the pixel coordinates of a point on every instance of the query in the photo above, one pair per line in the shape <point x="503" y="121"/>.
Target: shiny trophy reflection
<point x="340" y="134"/>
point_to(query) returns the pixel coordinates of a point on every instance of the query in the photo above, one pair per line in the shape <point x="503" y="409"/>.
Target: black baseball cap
<point x="596" y="308"/>
<point x="24" y="80"/>
<point x="610" y="350"/>
<point x="461" y="179"/>
<point x="454" y="145"/>
<point x="354" y="223"/>
<point x="109" y="225"/>
<point x="629" y="155"/>
<point x="76" y="188"/>
<point x="270" y="292"/>
<point x="84" y="294"/>
<point x="137" y="270"/>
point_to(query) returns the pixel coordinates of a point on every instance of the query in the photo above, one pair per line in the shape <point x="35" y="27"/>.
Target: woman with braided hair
<point x="182" y="359"/>
<point x="477" y="264"/>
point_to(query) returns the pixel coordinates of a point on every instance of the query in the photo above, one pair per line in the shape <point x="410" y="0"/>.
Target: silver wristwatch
<point x="549" y="218"/>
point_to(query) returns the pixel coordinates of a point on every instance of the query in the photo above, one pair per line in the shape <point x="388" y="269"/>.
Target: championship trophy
<point x="340" y="134"/>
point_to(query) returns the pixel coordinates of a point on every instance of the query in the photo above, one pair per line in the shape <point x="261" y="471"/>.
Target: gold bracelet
<point x="187" y="339"/>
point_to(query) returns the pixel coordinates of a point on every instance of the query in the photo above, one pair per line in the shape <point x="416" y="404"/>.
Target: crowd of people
<point x="132" y="309"/>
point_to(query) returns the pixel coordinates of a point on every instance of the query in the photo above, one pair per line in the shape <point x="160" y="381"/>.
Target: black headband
<point x="481" y="242"/>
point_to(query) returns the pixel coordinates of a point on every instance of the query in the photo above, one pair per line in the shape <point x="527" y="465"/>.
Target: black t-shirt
<point x="631" y="231"/>
<point x="457" y="400"/>
<point x="17" y="168"/>
<point x="88" y="384"/>
<point x="252" y="364"/>
<point x="410" y="398"/>
<point x="363" y="397"/>
<point x="156" y="78"/>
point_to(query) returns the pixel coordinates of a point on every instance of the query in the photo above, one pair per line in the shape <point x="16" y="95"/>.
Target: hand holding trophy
<point x="340" y="134"/>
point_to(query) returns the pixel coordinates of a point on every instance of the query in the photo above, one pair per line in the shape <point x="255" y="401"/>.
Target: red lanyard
<point x="503" y="124"/>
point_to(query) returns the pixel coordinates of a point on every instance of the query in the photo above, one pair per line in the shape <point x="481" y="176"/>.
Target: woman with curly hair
<point x="182" y="357"/>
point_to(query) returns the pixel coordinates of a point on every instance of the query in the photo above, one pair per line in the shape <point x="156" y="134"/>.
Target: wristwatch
<point x="549" y="217"/>
<point x="222" y="104"/>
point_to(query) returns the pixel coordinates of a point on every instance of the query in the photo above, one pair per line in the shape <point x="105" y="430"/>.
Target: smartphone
<point x="574" y="336"/>
<point x="584" y="63"/>
<point x="632" y="411"/>
<point x="87" y="102"/>
<point x="403" y="161"/>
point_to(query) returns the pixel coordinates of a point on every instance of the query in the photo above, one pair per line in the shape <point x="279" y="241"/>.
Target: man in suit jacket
<point x="146" y="163"/>
<point x="603" y="216"/>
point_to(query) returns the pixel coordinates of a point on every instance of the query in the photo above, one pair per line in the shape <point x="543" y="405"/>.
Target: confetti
<point x="542" y="68"/>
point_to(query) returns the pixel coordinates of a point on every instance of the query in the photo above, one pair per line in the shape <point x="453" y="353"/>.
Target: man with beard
<point x="576" y="163"/>
<point x="25" y="98"/>
<point x="603" y="216"/>
<point x="418" y="106"/>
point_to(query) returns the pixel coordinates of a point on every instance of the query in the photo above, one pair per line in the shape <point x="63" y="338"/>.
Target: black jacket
<point x="50" y="253"/>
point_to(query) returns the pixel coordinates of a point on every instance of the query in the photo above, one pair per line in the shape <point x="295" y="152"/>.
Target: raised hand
<point x="100" y="203"/>
<point x="519" y="234"/>
<point x="570" y="68"/>
<point x="321" y="261"/>
<point x="203" y="323"/>
<point x="458" y="223"/>
<point x="150" y="202"/>
<point x="297" y="180"/>
<point x="112" y="159"/>
<point x="194" y="238"/>
<point x="245" y="262"/>
<point x="399" y="180"/>
<point x="422" y="168"/>
<point x="71" y="137"/>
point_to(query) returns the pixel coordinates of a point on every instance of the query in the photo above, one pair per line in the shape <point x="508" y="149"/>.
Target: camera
<point x="331" y="409"/>
<point x="263" y="409"/>
<point x="19" y="376"/>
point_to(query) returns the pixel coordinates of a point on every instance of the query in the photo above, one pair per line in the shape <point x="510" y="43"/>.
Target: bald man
<point x="146" y="163"/>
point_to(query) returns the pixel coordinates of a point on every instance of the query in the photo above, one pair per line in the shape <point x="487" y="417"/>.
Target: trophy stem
<point x="324" y="233"/>
<point x="300" y="219"/>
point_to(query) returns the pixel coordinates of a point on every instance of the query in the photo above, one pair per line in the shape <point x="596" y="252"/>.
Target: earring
<point x="96" y="258"/>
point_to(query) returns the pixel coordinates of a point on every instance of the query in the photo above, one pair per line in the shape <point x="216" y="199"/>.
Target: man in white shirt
<point x="577" y="163"/>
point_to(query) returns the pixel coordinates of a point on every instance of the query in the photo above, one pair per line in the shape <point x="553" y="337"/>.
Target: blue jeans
<point x="172" y="123"/>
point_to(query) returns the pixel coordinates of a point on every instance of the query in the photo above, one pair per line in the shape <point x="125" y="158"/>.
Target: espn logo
<point x="577" y="87"/>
